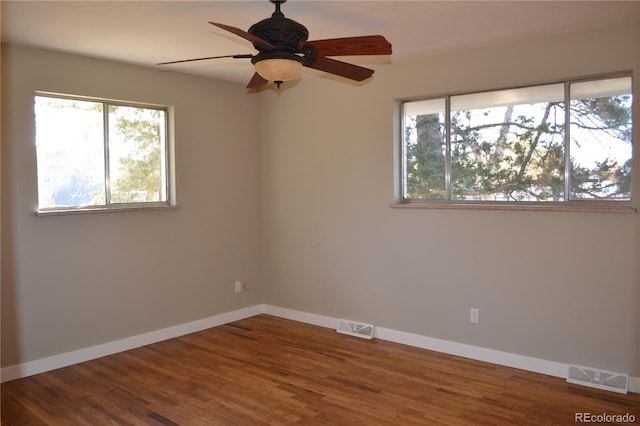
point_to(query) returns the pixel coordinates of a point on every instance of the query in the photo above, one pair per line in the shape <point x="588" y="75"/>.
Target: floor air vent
<point x="357" y="329"/>
<point x="599" y="379"/>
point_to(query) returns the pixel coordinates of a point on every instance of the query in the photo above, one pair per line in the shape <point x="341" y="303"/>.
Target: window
<point x="97" y="154"/>
<point x="565" y="143"/>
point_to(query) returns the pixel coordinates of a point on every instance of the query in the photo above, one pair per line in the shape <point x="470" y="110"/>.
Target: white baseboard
<point x="86" y="354"/>
<point x="313" y="319"/>
<point x="460" y="349"/>
<point x="537" y="365"/>
<point x="507" y="359"/>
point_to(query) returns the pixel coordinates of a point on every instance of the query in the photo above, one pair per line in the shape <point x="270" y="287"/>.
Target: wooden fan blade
<point x="347" y="46"/>
<point x="256" y="81"/>
<point x="343" y="69"/>
<point x="245" y="35"/>
<point x="241" y="56"/>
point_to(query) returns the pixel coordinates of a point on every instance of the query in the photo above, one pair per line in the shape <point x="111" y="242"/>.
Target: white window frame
<point x="169" y="163"/>
<point x="567" y="204"/>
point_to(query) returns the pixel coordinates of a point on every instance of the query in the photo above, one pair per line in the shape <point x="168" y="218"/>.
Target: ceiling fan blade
<point x="245" y="35"/>
<point x="256" y="81"/>
<point x="347" y="46"/>
<point x="343" y="69"/>
<point x="241" y="56"/>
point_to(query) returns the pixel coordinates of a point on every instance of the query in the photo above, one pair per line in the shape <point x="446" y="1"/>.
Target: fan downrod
<point x="277" y="12"/>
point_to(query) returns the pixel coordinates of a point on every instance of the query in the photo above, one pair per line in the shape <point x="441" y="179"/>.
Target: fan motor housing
<point x="284" y="33"/>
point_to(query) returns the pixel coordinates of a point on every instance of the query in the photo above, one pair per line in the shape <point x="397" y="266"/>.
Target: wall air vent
<point x="599" y="379"/>
<point x="357" y="329"/>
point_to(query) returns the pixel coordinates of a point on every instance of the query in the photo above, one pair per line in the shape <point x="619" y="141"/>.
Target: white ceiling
<point x="148" y="32"/>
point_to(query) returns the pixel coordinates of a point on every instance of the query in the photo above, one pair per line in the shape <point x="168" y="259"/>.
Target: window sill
<point x="65" y="212"/>
<point x="525" y="207"/>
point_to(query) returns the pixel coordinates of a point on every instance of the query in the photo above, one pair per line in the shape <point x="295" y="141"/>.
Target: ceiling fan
<point x="283" y="50"/>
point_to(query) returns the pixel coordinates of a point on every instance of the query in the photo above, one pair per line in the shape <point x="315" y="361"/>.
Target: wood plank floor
<point x="270" y="371"/>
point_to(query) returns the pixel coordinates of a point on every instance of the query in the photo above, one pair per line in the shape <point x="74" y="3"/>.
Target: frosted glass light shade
<point x="278" y="69"/>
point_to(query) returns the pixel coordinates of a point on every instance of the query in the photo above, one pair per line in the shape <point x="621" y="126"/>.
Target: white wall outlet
<point x="238" y="286"/>
<point x="474" y="315"/>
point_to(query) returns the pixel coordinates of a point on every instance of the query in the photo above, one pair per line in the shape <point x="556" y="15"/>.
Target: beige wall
<point x="70" y="282"/>
<point x="305" y="193"/>
<point x="557" y="286"/>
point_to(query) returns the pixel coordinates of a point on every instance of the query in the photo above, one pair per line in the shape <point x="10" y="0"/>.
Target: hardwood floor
<point x="270" y="371"/>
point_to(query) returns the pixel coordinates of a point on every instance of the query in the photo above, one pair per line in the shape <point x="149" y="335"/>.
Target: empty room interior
<point x="306" y="206"/>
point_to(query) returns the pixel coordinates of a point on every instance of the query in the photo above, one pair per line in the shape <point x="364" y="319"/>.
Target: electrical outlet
<point x="474" y="315"/>
<point x="238" y="286"/>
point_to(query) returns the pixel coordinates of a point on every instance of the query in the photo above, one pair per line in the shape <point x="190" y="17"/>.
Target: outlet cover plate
<point x="474" y="315"/>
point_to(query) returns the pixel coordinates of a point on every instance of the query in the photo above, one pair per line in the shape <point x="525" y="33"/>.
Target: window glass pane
<point x="424" y="149"/>
<point x="137" y="154"/>
<point x="70" y="152"/>
<point x="600" y="134"/>
<point x="508" y="145"/>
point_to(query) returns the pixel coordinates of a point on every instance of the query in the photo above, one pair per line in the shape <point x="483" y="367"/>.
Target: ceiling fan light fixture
<point x="278" y="69"/>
